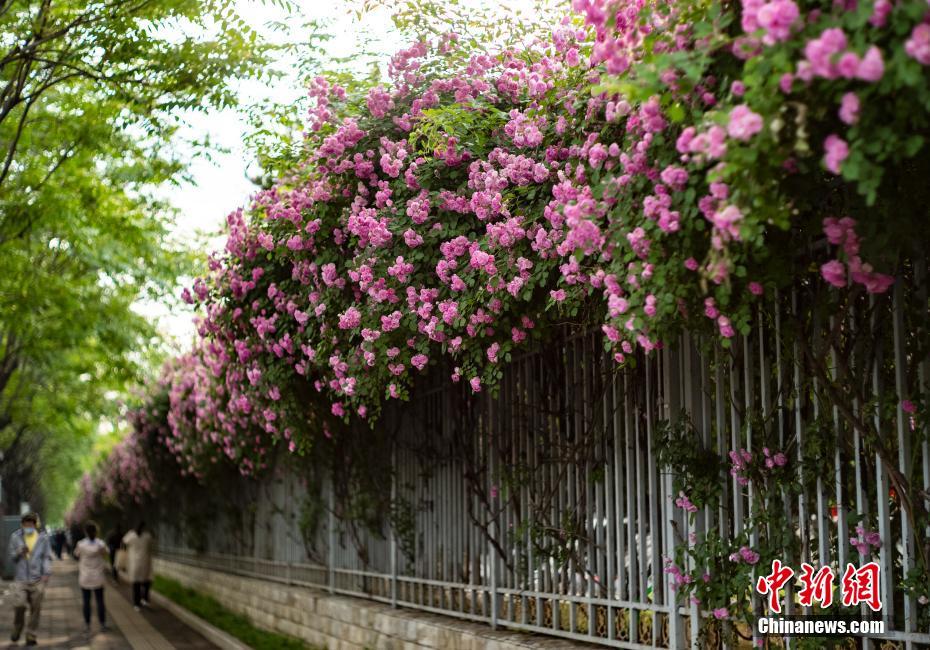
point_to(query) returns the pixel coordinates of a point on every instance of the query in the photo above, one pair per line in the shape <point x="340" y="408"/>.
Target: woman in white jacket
<point x="92" y="556"/>
<point x="139" y="546"/>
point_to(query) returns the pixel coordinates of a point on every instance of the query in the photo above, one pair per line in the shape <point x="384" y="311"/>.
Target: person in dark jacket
<point x="58" y="542"/>
<point x="31" y="553"/>
<point x="114" y="539"/>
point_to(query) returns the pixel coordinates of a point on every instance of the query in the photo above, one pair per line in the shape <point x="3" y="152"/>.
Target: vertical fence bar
<point x="637" y="500"/>
<point x="672" y="400"/>
<point x="492" y="514"/>
<point x="923" y="376"/>
<point x="331" y="530"/>
<point x="538" y="573"/>
<point x="803" y="521"/>
<point x="736" y="442"/>
<point x="693" y="408"/>
<point x="569" y="505"/>
<point x="823" y="530"/>
<point x="721" y="442"/>
<point x="391" y="526"/>
<point x="842" y="534"/>
<point x="288" y="517"/>
<point x="882" y="490"/>
<point x="904" y="449"/>
<point x="592" y="508"/>
<point x="612" y="508"/>
<point x="749" y="404"/>
<point x="857" y="361"/>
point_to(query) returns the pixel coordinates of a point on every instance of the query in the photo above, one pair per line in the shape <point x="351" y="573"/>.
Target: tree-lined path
<point x="63" y="626"/>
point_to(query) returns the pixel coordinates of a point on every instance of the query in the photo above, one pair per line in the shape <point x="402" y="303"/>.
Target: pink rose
<point x="872" y="67"/>
<point x="849" y="108"/>
<point x="777" y="18"/>
<point x="836" y="152"/>
<point x="848" y="65"/>
<point x="744" y="123"/>
<point x="834" y="272"/>
<point x="918" y="45"/>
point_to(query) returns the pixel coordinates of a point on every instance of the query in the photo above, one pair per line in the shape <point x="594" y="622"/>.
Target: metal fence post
<point x="492" y="569"/>
<point x="492" y="502"/>
<point x="391" y="525"/>
<point x="904" y="447"/>
<point x="288" y="516"/>
<point x="256" y="538"/>
<point x="331" y="551"/>
<point x="671" y="390"/>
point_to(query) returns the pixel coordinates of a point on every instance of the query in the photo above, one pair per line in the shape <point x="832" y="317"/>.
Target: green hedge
<point x="214" y="613"/>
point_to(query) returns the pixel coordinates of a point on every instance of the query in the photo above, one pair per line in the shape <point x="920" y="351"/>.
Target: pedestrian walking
<point x="31" y="553"/>
<point x="76" y="536"/>
<point x="58" y="542"/>
<point x="139" y="545"/>
<point x="114" y="539"/>
<point x="91" y="554"/>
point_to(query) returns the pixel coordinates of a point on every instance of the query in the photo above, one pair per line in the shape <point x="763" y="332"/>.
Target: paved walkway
<point x="63" y="624"/>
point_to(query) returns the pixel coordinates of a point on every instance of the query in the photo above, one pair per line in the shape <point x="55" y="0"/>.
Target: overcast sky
<point x="220" y="183"/>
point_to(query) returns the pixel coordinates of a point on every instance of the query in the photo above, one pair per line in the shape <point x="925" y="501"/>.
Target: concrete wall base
<point x="342" y="623"/>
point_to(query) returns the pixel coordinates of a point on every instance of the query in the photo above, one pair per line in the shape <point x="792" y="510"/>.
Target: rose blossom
<point x="836" y="152"/>
<point x="744" y="123"/>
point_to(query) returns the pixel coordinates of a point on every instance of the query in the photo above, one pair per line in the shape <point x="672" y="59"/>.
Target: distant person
<point x="114" y="539"/>
<point x="31" y="554"/>
<point x="139" y="545"/>
<point x="91" y="554"/>
<point x="76" y="536"/>
<point x="58" y="542"/>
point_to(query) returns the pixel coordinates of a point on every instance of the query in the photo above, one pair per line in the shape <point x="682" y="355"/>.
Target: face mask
<point x="29" y="531"/>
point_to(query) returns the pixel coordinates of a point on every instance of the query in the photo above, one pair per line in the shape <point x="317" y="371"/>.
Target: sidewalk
<point x="63" y="625"/>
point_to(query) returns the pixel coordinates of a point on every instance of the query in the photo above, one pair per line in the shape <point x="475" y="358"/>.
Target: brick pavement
<point x="62" y="624"/>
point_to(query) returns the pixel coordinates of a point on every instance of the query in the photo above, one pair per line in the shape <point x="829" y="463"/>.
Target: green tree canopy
<point x="92" y="95"/>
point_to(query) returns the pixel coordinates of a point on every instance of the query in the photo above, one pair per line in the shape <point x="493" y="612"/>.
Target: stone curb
<point x="213" y="634"/>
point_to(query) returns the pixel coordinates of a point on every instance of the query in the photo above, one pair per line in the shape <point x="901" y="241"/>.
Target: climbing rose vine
<point x="124" y="478"/>
<point x="651" y="166"/>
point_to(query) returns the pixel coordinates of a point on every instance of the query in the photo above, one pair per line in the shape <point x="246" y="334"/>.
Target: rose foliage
<point x="650" y="167"/>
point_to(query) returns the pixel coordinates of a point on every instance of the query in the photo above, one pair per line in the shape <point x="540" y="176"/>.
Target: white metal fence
<point x="544" y="508"/>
